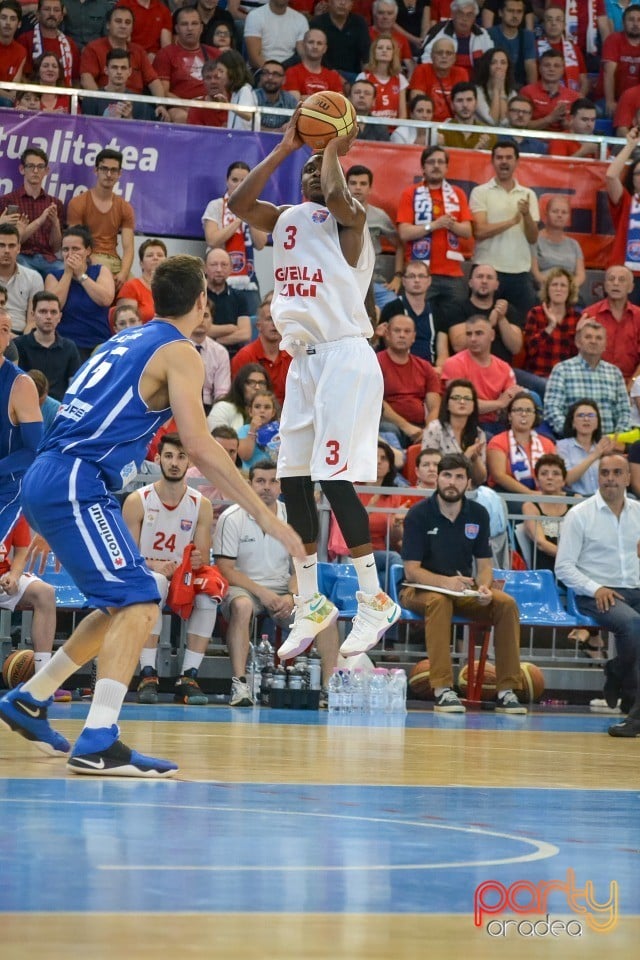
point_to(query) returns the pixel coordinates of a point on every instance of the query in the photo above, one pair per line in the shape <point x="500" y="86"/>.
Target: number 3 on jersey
<point x="290" y="242"/>
<point x="332" y="458"/>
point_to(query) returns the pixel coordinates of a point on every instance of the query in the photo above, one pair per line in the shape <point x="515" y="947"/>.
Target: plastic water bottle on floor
<point x="358" y="691"/>
<point x="335" y="692"/>
<point x="397" y="691"/>
<point x="378" y="691"/>
<point x="315" y="672"/>
<point x="347" y="694"/>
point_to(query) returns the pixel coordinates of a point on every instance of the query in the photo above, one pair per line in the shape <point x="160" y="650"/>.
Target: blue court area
<point x="127" y="846"/>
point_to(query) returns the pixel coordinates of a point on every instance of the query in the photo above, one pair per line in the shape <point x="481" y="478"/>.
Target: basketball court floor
<point x="299" y="834"/>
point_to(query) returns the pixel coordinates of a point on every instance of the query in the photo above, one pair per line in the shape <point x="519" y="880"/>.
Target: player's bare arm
<point x="202" y="534"/>
<point x="348" y="211"/>
<point x="23" y="403"/>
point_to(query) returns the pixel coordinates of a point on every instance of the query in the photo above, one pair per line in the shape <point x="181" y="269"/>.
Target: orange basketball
<point x="531" y="685"/>
<point x="488" y="681"/>
<point x="324" y="116"/>
<point x="18" y="667"/>
<point x="419" y="683"/>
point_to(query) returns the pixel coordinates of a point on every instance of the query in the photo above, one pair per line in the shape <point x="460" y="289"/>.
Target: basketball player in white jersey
<point x="163" y="518"/>
<point x="323" y="264"/>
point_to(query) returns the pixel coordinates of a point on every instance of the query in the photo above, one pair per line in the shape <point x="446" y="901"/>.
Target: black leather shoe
<point x="630" y="727"/>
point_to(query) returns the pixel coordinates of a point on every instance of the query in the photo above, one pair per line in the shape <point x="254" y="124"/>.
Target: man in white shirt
<point x="598" y="558"/>
<point x="274" y="32"/>
<point x="21" y="282"/>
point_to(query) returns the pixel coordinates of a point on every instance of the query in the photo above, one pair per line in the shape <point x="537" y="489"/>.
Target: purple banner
<point x="169" y="173"/>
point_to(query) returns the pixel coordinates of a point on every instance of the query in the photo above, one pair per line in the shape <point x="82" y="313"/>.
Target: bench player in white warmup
<point x="164" y="517"/>
<point x="323" y="264"/>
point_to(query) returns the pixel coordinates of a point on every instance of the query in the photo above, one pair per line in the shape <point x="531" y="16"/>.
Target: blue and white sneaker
<point x="100" y="752"/>
<point x="20" y="712"/>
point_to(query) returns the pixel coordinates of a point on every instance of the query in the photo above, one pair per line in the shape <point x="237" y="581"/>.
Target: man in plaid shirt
<point x="588" y="376"/>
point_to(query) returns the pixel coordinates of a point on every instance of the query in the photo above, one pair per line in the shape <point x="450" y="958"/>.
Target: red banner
<point x="396" y="167"/>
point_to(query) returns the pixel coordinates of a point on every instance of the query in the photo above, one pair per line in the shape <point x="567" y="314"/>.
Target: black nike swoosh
<point x="307" y="566"/>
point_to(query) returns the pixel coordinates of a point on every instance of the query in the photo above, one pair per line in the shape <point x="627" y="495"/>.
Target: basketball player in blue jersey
<point x="113" y="407"/>
<point x="323" y="264"/>
<point x="20" y="430"/>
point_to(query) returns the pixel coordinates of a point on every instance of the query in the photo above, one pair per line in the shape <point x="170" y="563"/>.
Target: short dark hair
<point x="428" y="451"/>
<point x="454" y="461"/>
<point x="227" y="433"/>
<point x="175" y="17"/>
<point x="505" y="143"/>
<point x="33" y="152"/>
<point x="550" y="460"/>
<point x="109" y="16"/>
<point x="583" y="103"/>
<point x="569" y="430"/>
<point x="261" y="465"/>
<point x="44" y="296"/>
<point x="359" y="170"/>
<point x="12" y="5"/>
<point x="177" y="284"/>
<point x="119" y="53"/>
<point x="429" y="151"/>
<point x="236" y="165"/>
<point x="41" y="382"/>
<point x="79" y="231"/>
<point x="463" y="87"/>
<point x="108" y="153"/>
<point x="634" y="7"/>
<point x="551" y="54"/>
<point x="8" y="230"/>
<point x="151" y="242"/>
<point x="171" y="440"/>
<point x="369" y="83"/>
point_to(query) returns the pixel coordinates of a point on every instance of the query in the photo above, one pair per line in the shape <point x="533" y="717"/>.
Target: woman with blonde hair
<point x="384" y="71"/>
<point x="550" y="329"/>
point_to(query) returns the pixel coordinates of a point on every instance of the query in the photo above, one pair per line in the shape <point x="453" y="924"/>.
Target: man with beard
<point x="442" y="537"/>
<point x="269" y="93"/>
<point x="47" y="37"/>
<point x="163" y="518"/>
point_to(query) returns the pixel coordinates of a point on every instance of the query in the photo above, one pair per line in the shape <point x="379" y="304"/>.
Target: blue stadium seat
<point x="339" y="582"/>
<point x="572" y="610"/>
<point x="68" y="596"/>
<point x="536" y="593"/>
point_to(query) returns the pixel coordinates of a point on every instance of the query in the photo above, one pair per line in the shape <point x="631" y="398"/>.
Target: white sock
<point x="192" y="660"/>
<point x="40" y="660"/>
<point x="502" y="693"/>
<point x="307" y="575"/>
<point x="438" y="691"/>
<point x="108" y="698"/>
<point x="367" y="573"/>
<point x="148" y="657"/>
<point x="47" y="680"/>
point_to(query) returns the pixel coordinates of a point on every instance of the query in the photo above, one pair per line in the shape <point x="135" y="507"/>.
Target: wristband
<point x="427" y="228"/>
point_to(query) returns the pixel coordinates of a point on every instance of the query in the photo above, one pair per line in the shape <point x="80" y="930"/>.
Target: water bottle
<point x="347" y="693"/>
<point x="265" y="651"/>
<point x="335" y="692"/>
<point x="254" y="673"/>
<point x="357" y="691"/>
<point x="265" y="685"/>
<point x="279" y="681"/>
<point x="397" y="691"/>
<point x="378" y="691"/>
<point x="315" y="672"/>
<point x="302" y="668"/>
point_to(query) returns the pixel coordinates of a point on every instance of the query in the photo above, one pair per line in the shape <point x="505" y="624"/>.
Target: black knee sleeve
<point x="302" y="513"/>
<point x="350" y="513"/>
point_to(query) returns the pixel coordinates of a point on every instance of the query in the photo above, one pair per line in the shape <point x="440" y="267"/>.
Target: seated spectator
<point x="384" y="70"/>
<point x="438" y="78"/>
<point x="85" y="291"/>
<point x="310" y="76"/>
<point x="348" y="39"/>
<point x="621" y="59"/>
<point x="48" y="71"/>
<point x="421" y="109"/>
<point x="269" y="93"/>
<point x="457" y="430"/>
<point x="582" y="445"/>
<point x="493" y="379"/>
<point x="215" y="92"/>
<point x="551" y="100"/>
<point x="263" y="411"/>
<point x="623" y="189"/>
<point x="27" y="101"/>
<point x="125" y="317"/>
<point x="427" y="468"/>
<point x="470" y="39"/>
<point x="362" y="95"/>
<point x="213" y="16"/>
<point x="431" y="341"/>
<point x="550" y="329"/>
<point x="44" y="349"/>
<point x="47" y="37"/>
<point x="20" y="282"/>
<point x="582" y="122"/>
<point x="274" y="31"/>
<point x="588" y="26"/>
<point x="118" y="72"/>
<point x="621" y="321"/>
<point x="554" y="248"/>
<point x="483" y="301"/>
<point x="265" y="350"/>
<point x="387" y="272"/>
<point x="232" y="410"/>
<point x="223" y="37"/>
<point x="15" y="62"/>
<point x="234" y="80"/>
<point x="48" y="406"/>
<point x="38" y="215"/>
<point x="519" y="114"/>
<point x="553" y="36"/>
<point x="179" y="65"/>
<point x="152" y="26"/>
<point x="217" y="370"/>
<point x="512" y="35"/>
<point x="93" y="60"/>
<point x="228" y="440"/>
<point x="232" y="326"/>
<point x="464" y="104"/>
<point x="107" y="217"/>
<point x="137" y="292"/>
<point x="588" y="375"/>
<point x="513" y="454"/>
<point x="544" y="525"/>
<point x="411" y="385"/>
<point x="495" y="86"/>
<point x="384" y="16"/>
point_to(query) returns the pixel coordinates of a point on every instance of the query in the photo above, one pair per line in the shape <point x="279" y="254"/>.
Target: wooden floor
<point x="291" y="835"/>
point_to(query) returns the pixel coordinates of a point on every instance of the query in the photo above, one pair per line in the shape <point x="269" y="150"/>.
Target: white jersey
<point x="166" y="531"/>
<point x="318" y="297"/>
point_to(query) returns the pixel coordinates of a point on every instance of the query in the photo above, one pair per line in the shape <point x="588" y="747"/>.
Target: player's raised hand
<point x="291" y="139"/>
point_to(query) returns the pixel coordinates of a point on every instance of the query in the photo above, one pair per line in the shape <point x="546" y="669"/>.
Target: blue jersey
<point x="102" y="419"/>
<point x="10" y="436"/>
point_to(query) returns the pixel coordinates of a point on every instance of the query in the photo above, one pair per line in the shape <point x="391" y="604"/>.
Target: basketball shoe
<point x="310" y="617"/>
<point x="376" y="613"/>
<point x="148" y="686"/>
<point x="20" y="712"/>
<point x="188" y="690"/>
<point x="100" y="752"/>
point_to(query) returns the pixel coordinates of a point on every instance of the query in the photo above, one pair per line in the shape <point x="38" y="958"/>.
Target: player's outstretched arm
<point x="348" y="211"/>
<point x="244" y="202"/>
<point x="184" y="378"/>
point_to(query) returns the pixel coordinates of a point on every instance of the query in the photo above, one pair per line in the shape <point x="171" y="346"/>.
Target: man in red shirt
<point x="621" y="319"/>
<point x="433" y="216"/>
<point x="438" y="78"/>
<point x="411" y="385"/>
<point x="265" y="350"/>
<point x="309" y="76"/>
<point x="179" y="65"/>
<point x="621" y="59"/>
<point x="551" y="99"/>
<point x="47" y="37"/>
<point x="14" y="59"/>
<point x="152" y="26"/>
<point x="582" y="122"/>
<point x="93" y="61"/>
<point x="554" y="37"/>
